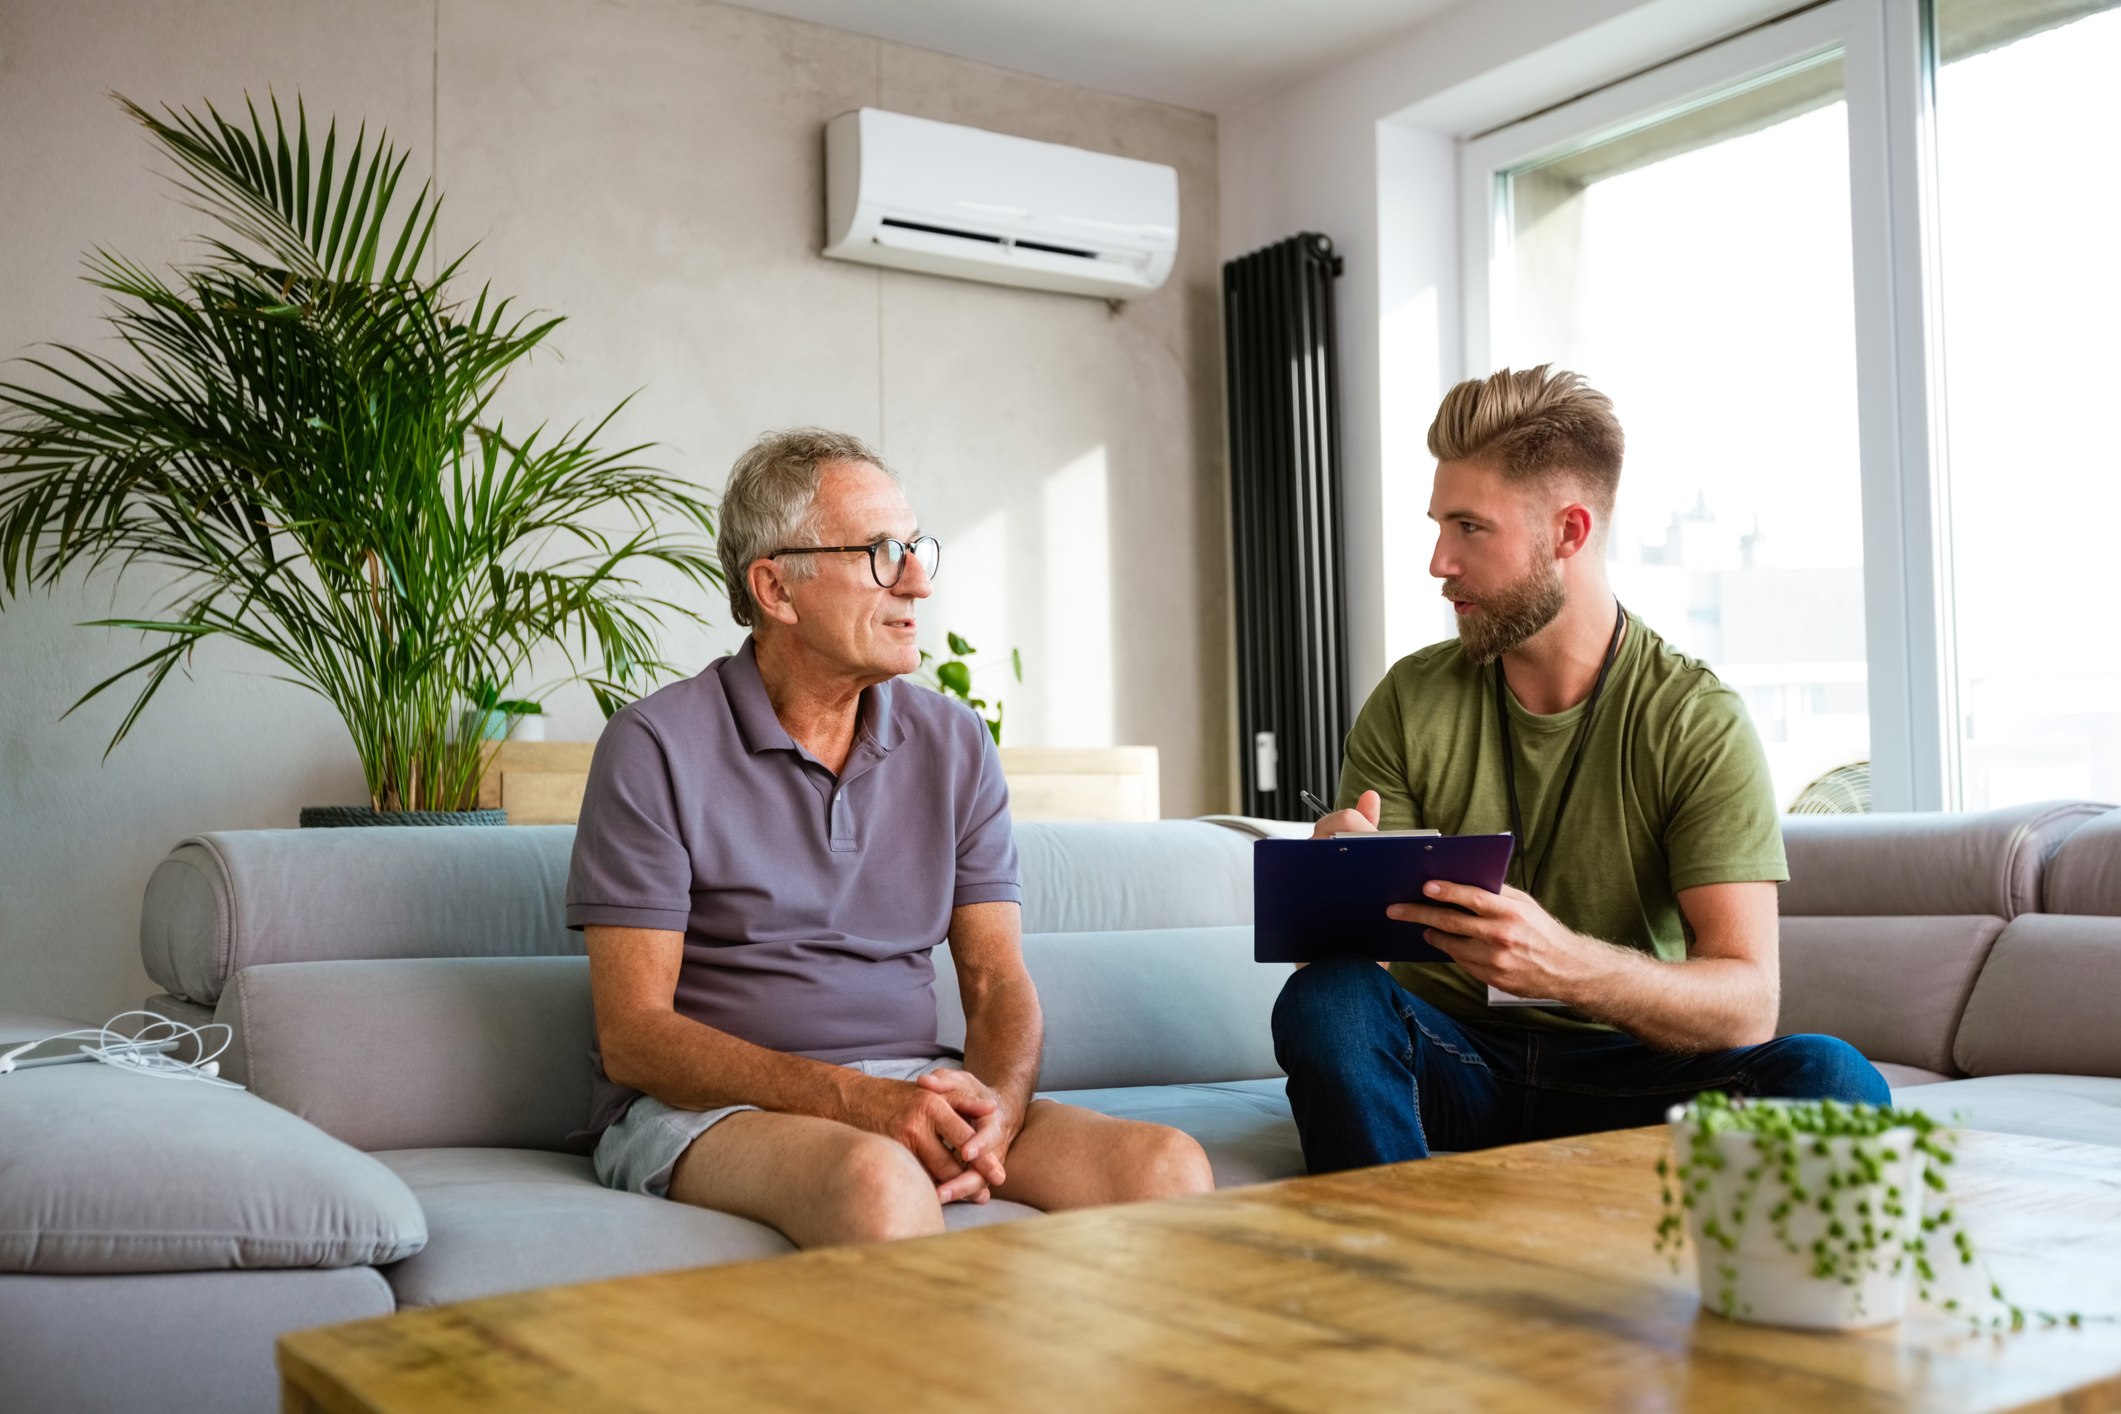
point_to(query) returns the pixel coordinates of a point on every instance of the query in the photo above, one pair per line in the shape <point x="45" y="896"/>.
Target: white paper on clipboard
<point x="1498" y="997"/>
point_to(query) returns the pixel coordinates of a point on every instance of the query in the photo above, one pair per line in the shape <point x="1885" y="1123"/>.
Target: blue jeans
<point x="1377" y="1075"/>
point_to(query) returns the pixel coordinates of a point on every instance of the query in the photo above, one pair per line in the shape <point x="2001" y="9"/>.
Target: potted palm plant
<point x="298" y="433"/>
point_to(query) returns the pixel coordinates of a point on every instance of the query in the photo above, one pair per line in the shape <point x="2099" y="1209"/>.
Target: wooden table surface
<point x="1514" y="1279"/>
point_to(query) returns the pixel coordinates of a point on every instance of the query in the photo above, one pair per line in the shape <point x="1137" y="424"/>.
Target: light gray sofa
<point x="412" y="1020"/>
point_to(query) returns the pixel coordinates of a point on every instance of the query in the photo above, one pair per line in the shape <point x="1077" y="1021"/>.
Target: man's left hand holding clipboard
<point x="1335" y="892"/>
<point x="1315" y="897"/>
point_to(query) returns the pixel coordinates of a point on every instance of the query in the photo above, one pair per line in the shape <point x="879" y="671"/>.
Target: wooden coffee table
<point x="1518" y="1278"/>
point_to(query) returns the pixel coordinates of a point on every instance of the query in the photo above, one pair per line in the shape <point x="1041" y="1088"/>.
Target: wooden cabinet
<point x="1082" y="782"/>
<point x="537" y="782"/>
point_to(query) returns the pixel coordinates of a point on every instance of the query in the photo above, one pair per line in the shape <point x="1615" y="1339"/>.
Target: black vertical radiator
<point x="1292" y="639"/>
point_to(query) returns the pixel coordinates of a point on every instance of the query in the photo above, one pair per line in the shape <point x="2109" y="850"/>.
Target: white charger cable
<point x="145" y="1052"/>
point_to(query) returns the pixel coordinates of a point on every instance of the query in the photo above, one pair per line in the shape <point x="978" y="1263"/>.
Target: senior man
<point x="767" y="854"/>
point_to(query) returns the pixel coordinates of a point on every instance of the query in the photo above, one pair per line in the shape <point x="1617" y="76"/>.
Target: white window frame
<point x="1906" y="528"/>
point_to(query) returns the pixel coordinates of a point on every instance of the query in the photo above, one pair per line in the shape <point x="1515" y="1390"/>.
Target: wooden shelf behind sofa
<point x="1082" y="782"/>
<point x="541" y="782"/>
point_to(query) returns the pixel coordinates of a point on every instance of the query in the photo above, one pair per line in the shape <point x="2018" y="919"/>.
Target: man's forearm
<point x="1701" y="1004"/>
<point x="1004" y="1033"/>
<point x="690" y="1066"/>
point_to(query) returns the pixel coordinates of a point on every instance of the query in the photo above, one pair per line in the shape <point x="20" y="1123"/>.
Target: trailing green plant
<point x="298" y="435"/>
<point x="953" y="676"/>
<point x="1863" y="1230"/>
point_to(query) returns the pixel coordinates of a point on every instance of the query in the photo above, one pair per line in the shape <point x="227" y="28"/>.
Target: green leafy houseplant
<point x="494" y="716"/>
<point x="1841" y="1189"/>
<point x="298" y="434"/>
<point x="953" y="676"/>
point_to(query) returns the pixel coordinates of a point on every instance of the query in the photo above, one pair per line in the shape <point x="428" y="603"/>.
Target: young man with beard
<point x="1639" y="917"/>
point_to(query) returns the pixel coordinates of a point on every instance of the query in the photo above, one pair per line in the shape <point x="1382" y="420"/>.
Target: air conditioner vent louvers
<point x="898" y="187"/>
<point x="990" y="239"/>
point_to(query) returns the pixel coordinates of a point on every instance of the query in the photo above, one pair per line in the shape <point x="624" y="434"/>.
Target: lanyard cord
<point x="1568" y="784"/>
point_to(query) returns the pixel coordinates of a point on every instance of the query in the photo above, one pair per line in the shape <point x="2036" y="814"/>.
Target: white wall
<point x="653" y="170"/>
<point x="1366" y="153"/>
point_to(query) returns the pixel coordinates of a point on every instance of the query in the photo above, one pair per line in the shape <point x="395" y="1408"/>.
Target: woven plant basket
<point x="339" y="817"/>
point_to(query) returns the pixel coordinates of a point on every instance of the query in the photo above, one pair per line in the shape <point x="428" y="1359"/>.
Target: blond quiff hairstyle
<point x="1534" y="425"/>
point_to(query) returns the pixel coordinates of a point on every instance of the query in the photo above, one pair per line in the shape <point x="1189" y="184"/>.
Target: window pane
<point x="1696" y="268"/>
<point x="2027" y="118"/>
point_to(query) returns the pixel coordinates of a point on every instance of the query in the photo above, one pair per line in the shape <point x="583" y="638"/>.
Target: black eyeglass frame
<point x="908" y="549"/>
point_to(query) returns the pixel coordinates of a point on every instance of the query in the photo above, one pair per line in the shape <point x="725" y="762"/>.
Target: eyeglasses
<point x="887" y="557"/>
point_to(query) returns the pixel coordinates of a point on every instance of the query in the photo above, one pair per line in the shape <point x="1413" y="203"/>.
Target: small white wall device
<point x="915" y="194"/>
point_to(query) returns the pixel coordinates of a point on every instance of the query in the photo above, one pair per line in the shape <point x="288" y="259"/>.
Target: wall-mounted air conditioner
<point x="947" y="200"/>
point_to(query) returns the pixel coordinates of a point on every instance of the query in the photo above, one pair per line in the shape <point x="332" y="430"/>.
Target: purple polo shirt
<point x="809" y="902"/>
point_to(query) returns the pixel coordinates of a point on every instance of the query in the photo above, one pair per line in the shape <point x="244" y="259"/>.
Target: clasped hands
<point x="957" y="1125"/>
<point x="1505" y="940"/>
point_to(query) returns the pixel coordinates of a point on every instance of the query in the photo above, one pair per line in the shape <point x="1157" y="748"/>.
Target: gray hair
<point x="769" y="501"/>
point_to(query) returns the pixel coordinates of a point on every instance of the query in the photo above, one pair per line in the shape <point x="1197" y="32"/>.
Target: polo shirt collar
<point x="761" y="729"/>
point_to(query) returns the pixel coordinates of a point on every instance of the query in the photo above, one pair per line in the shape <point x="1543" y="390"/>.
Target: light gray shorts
<point x="639" y="1152"/>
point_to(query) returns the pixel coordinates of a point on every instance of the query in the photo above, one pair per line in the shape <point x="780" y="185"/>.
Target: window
<point x="1694" y="264"/>
<point x="2027" y="116"/>
<point x="1848" y="276"/>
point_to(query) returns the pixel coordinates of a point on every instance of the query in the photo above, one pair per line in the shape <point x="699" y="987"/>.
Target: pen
<point x="1314" y="802"/>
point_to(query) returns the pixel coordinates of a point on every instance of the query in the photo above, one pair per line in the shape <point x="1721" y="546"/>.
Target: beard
<point x="1504" y="619"/>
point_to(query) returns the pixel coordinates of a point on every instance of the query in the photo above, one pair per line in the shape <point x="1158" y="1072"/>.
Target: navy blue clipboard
<point x="1312" y="898"/>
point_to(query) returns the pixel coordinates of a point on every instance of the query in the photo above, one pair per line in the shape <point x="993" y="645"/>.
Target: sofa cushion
<point x="2085" y="874"/>
<point x="1907" y="1077"/>
<point x="2049" y="999"/>
<point x="167" y="1343"/>
<point x="1084" y="877"/>
<point x="2082" y="1108"/>
<point x="226" y="901"/>
<point x="420" y="1053"/>
<point x="1159" y="1006"/>
<point x="101" y="1171"/>
<point x="1245" y="1126"/>
<point x="1925" y="863"/>
<point x="1891" y="987"/>
<point x="502" y="1220"/>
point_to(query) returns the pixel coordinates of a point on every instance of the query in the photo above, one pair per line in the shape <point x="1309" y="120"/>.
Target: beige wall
<point x="651" y="169"/>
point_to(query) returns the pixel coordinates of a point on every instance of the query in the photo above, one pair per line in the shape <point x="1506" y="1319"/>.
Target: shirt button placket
<point x="841" y="820"/>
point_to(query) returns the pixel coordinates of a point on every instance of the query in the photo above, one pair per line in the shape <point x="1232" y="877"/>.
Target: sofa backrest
<point x="233" y="899"/>
<point x="2084" y="876"/>
<point x="1168" y="1006"/>
<point x="427" y="1053"/>
<point x="414" y="988"/>
<point x="1925" y="864"/>
<point x="1894" y="988"/>
<point x="419" y="1053"/>
<point x="2049" y="999"/>
<point x="1088" y="878"/>
<point x="237" y="898"/>
<point x="1888" y="920"/>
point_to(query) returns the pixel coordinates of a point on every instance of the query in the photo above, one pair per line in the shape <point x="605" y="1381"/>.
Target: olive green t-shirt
<point x="1674" y="792"/>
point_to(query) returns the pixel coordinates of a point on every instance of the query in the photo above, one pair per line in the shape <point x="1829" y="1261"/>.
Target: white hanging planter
<point x="1758" y="1278"/>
